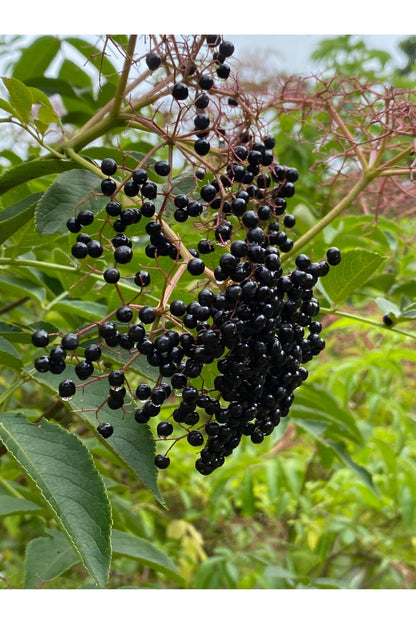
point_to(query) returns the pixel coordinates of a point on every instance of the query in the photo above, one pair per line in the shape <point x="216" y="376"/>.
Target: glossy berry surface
<point x="180" y="91"/>
<point x="108" y="166"/>
<point x="40" y="338"/>
<point x="66" y="388"/>
<point x="333" y="256"/>
<point x="105" y="430"/>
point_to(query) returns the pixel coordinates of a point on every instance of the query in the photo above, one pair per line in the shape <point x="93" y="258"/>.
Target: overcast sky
<point x="293" y="51"/>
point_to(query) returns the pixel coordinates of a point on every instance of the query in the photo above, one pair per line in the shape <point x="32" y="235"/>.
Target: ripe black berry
<point x="180" y="91"/>
<point x="202" y="147"/>
<point x="84" y="369"/>
<point x="162" y="168"/>
<point x="95" y="249"/>
<point x="142" y="278"/>
<point x="223" y="71"/>
<point x="79" y="250"/>
<point x="148" y="209"/>
<point x="149" y="190"/>
<point x="66" y="388"/>
<point x="116" y="378"/>
<point x="108" y="166"/>
<point x="147" y="315"/>
<point x="40" y="338"/>
<point x="164" y="429"/>
<point x="177" y="308"/>
<point x="108" y="187"/>
<point x="196" y="266"/>
<point x="162" y="461"/>
<point x="195" y="438"/>
<point x="70" y="342"/>
<point x="124" y="314"/>
<point x="123" y="254"/>
<point x="333" y="255"/>
<point x="42" y="364"/>
<point x="113" y="208"/>
<point x="202" y="101"/>
<point x="111" y="275"/>
<point x="85" y="217"/>
<point x="206" y="82"/>
<point x="289" y="221"/>
<point x="226" y="48"/>
<point x="73" y="225"/>
<point x="139" y="176"/>
<point x="105" y="429"/>
<point x="131" y="188"/>
<point x="387" y="320"/>
<point x="153" y="60"/>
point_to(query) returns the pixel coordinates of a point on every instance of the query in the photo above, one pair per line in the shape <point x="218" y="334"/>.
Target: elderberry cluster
<point x="229" y="361"/>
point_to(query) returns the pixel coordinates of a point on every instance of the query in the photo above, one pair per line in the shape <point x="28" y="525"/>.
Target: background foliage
<point x="327" y="501"/>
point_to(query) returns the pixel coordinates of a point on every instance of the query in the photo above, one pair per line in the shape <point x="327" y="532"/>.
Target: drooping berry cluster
<point x="251" y="325"/>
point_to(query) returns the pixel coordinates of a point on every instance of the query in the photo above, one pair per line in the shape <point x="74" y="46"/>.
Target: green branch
<point x="364" y="180"/>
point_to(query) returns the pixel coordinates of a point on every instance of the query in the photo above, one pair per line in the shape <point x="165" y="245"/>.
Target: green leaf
<point x="20" y="97"/>
<point x="356" y="267"/>
<point x="74" y="75"/>
<point x="6" y="107"/>
<point x="9" y="356"/>
<point x="36" y="58"/>
<point x="143" y="551"/>
<point x="63" y="470"/>
<point x="339" y="450"/>
<point x="84" y="309"/>
<point x="10" y="505"/>
<point x="31" y="170"/>
<point x="313" y="402"/>
<point x="131" y="442"/>
<point x="47" y="558"/>
<point x="16" y="216"/>
<point x="21" y="287"/>
<point x="71" y="190"/>
<point x="53" y="86"/>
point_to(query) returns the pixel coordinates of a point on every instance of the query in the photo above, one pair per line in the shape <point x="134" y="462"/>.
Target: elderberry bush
<point x="228" y="361"/>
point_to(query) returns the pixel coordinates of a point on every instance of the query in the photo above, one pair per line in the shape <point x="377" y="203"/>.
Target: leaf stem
<point x="367" y="321"/>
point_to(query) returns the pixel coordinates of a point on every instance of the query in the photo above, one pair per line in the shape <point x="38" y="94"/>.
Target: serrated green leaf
<point x="356" y="267"/>
<point x="17" y="215"/>
<point x="31" y="170"/>
<point x="10" y="505"/>
<point x="131" y="442"/>
<point x="36" y="58"/>
<point x="71" y="190"/>
<point x="63" y="471"/>
<point x="143" y="551"/>
<point x="20" y="98"/>
<point x="48" y="557"/>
